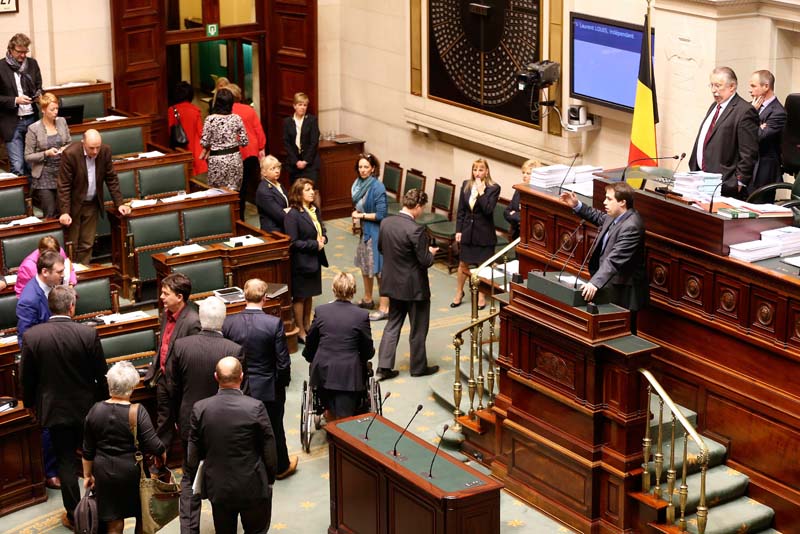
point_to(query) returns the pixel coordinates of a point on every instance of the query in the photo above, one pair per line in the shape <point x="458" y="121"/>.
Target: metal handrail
<point x="475" y="270"/>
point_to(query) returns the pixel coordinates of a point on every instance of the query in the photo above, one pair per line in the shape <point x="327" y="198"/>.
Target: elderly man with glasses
<point x="20" y="87"/>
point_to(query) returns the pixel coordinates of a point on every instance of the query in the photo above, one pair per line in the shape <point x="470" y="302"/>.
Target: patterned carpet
<point x="301" y="502"/>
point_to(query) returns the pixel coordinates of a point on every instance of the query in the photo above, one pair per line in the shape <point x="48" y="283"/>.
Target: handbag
<point x="177" y="135"/>
<point x="159" y="499"/>
<point x="85" y="515"/>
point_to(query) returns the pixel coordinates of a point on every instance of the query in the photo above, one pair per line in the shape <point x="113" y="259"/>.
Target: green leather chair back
<point x="8" y="311"/>
<point x="93" y="297"/>
<point x="414" y="180"/>
<point x="135" y="347"/>
<point x="162" y="180"/>
<point x="500" y="222"/>
<point x="151" y="235"/>
<point x="12" y="204"/>
<point x="392" y="176"/>
<point x="212" y="223"/>
<point x="205" y="275"/>
<point x="444" y="192"/>
<point x="17" y="248"/>
<point x="124" y="140"/>
<point x="93" y="104"/>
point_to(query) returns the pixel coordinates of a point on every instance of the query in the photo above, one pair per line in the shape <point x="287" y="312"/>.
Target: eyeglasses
<point x="21" y="52"/>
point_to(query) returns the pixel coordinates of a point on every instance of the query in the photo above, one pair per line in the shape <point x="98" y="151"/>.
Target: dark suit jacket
<point x="270" y="203"/>
<point x="8" y="92"/>
<point x="768" y="168"/>
<point x="621" y="262"/>
<point x="188" y="324"/>
<point x="406" y="258"/>
<point x="232" y="433"/>
<point x="191" y="372"/>
<point x="265" y="351"/>
<point x="73" y="181"/>
<point x="309" y="140"/>
<point x="32" y="307"/>
<point x="63" y="371"/>
<point x="733" y="147"/>
<point x="338" y="346"/>
<point x="477" y="224"/>
<point x="305" y="253"/>
<point x="513" y="218"/>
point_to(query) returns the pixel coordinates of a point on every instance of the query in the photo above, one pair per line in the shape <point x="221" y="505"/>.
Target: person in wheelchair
<point x="338" y="347"/>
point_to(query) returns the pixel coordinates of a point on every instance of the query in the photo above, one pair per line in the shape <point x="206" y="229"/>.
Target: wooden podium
<point x="373" y="491"/>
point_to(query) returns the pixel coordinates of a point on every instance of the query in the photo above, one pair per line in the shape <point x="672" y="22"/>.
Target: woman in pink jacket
<point x="27" y="268"/>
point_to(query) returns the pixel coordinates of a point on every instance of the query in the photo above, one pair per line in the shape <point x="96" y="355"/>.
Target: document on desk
<point x="186" y="249"/>
<point x="109" y="118"/>
<point x="123" y="317"/>
<point x="141" y="202"/>
<point x="21" y="222"/>
<point x="581" y="188"/>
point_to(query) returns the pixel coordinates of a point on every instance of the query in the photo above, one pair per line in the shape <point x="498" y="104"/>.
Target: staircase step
<point x="716" y="452"/>
<point x="723" y="484"/>
<point x="742" y="515"/>
<point x="654" y="407"/>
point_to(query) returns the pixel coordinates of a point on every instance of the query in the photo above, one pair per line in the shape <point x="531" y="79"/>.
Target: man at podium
<point x="616" y="257"/>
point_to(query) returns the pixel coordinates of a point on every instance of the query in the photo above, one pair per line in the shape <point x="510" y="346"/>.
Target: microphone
<point x="574" y="249"/>
<point x="588" y="255"/>
<point x="683" y="155"/>
<point x="666" y="189"/>
<point x="711" y="203"/>
<point x="394" y="450"/>
<point x="554" y="254"/>
<point x="625" y="170"/>
<point x="567" y="173"/>
<point x="366" y="432"/>
<point x="430" y="471"/>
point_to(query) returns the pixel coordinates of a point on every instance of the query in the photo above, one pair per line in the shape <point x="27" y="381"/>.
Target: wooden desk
<point x="375" y="492"/>
<point x="336" y="176"/>
<point x="22" y="480"/>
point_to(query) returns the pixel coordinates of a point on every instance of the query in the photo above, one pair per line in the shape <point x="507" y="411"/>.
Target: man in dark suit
<point x="32" y="306"/>
<point x="231" y="433"/>
<point x="20" y="87"/>
<point x="180" y="319"/>
<point x="267" y="362"/>
<point x="406" y="259"/>
<point x="190" y="379"/>
<point x="301" y="141"/>
<point x="63" y="374"/>
<point x="771" y="118"/>
<point x="617" y="254"/>
<point x="85" y="166"/>
<point x="727" y="142"/>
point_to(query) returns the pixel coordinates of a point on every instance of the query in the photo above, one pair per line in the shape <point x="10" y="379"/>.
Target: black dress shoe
<point x="481" y="306"/>
<point x="455" y="304"/>
<point x="387" y="374"/>
<point x="53" y="483"/>
<point x="430" y="370"/>
<point x="301" y="340"/>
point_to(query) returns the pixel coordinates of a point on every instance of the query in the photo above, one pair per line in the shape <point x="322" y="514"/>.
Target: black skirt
<point x="475" y="254"/>
<point x="305" y="285"/>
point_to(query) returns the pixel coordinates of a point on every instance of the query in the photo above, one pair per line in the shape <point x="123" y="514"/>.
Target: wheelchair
<point x="312" y="408"/>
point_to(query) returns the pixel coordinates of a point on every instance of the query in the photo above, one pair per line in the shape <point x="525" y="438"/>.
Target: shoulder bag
<point x="177" y="135"/>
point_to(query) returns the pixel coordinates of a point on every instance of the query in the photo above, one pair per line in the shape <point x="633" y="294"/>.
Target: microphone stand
<point x="625" y="170"/>
<point x="574" y="249"/>
<point x="567" y="240"/>
<point x="430" y="471"/>
<point x="567" y="173"/>
<point x="711" y="202"/>
<point x="394" y="449"/>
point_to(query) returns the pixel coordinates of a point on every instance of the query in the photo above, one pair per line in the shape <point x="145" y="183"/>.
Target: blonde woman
<point x="511" y="213"/>
<point x="271" y="200"/>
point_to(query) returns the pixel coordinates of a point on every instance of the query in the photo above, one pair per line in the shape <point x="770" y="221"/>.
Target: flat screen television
<point x="604" y="60"/>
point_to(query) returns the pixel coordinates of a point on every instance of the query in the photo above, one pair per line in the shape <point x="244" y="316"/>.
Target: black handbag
<point x="85" y="515"/>
<point x="177" y="135"/>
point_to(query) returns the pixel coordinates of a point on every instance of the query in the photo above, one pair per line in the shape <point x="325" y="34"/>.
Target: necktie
<point x="709" y="132"/>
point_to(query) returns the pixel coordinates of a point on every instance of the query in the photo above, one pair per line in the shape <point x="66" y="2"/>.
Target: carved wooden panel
<point x="134" y="6"/>
<point x="793" y="324"/>
<point x="765" y="310"/>
<point x="694" y="286"/>
<point x="539" y="229"/>
<point x="555" y="368"/>
<point x="291" y="37"/>
<point x="140" y="47"/>
<point x="658" y="268"/>
<point x="730" y="300"/>
<point x="144" y="95"/>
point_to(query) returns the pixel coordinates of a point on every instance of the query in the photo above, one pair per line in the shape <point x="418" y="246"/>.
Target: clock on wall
<point x="476" y="50"/>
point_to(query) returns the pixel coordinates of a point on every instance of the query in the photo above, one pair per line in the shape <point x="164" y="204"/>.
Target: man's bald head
<point x="229" y="372"/>
<point x="91" y="142"/>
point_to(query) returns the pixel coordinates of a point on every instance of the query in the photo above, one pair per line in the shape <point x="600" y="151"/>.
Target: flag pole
<point x="648" y="31"/>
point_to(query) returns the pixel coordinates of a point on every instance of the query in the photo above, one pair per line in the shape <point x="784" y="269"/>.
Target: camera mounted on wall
<point x="536" y="77"/>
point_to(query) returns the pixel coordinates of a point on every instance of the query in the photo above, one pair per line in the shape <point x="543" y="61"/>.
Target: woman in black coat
<point x="475" y="225"/>
<point x="271" y="200"/>
<point x="303" y="224"/>
<point x="338" y="347"/>
<point x="302" y="151"/>
<point x="511" y="213"/>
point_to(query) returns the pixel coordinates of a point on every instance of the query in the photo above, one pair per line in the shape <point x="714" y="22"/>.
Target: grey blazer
<point x="36" y="143"/>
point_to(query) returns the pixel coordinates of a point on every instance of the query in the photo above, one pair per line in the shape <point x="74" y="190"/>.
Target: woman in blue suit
<point x="303" y="224"/>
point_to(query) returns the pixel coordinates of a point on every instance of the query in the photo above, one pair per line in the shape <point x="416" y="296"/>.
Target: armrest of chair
<point x="769" y="188"/>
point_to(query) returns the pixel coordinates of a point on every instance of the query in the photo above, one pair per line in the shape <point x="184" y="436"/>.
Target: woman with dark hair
<point x="223" y="134"/>
<point x="303" y="224"/>
<point x="370" y="204"/>
<point x="189" y="116"/>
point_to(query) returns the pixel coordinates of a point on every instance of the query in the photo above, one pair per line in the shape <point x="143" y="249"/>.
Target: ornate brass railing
<point x="477" y="383"/>
<point x="658" y="458"/>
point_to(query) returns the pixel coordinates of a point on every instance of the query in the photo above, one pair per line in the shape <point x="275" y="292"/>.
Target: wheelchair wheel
<point x="306" y="417"/>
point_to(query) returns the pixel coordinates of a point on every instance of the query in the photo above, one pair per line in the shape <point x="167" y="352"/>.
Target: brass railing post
<point x="659" y="458"/>
<point x="490" y="376"/>
<point x="702" y="509"/>
<point x="684" y="491"/>
<point x="646" y="444"/>
<point x="671" y="474"/>
<point x="457" y="342"/>
<point x="472" y="385"/>
<point x="479" y="329"/>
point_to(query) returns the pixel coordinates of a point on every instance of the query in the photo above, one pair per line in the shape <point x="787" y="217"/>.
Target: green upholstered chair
<point x="13" y="204"/>
<point x="16" y="248"/>
<point x="94" y="104"/>
<point x="766" y="193"/>
<point x="444" y="233"/>
<point x="444" y="193"/>
<point x="125" y="140"/>
<point x="206" y="276"/>
<point x="127" y="187"/>
<point x="136" y="347"/>
<point x="392" y="178"/>
<point x="8" y="312"/>
<point x="502" y="226"/>
<point x="163" y="180"/>
<point x="211" y="223"/>
<point x="414" y="180"/>
<point x="95" y="297"/>
<point x="151" y="235"/>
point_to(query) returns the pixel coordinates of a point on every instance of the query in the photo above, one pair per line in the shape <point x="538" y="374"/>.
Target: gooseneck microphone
<point x="394" y="449"/>
<point x="567" y="173"/>
<point x="567" y="240"/>
<point x="588" y="255"/>
<point x="683" y="155"/>
<point x="711" y="203"/>
<point x="366" y="432"/>
<point x="574" y="249"/>
<point x="625" y="170"/>
<point x="430" y="471"/>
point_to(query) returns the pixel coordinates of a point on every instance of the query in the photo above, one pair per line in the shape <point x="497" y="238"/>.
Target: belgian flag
<point x="645" y="111"/>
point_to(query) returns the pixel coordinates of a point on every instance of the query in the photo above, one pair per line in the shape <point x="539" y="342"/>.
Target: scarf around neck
<point x="360" y="187"/>
<point x="26" y="81"/>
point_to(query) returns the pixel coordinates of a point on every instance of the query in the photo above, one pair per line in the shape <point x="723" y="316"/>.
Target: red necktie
<point x="709" y="132"/>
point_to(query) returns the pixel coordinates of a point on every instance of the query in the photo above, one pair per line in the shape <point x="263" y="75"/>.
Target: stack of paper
<point x="554" y="175"/>
<point x="7" y="175"/>
<point x="788" y="238"/>
<point x="755" y="250"/>
<point x="693" y="184"/>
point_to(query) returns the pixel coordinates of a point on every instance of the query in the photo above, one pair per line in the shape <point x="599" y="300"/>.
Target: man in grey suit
<point x="617" y="254"/>
<point x="772" y="119"/>
<point x="406" y="259"/>
<point x="231" y="433"/>
<point x="191" y="378"/>
<point x="267" y="361"/>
